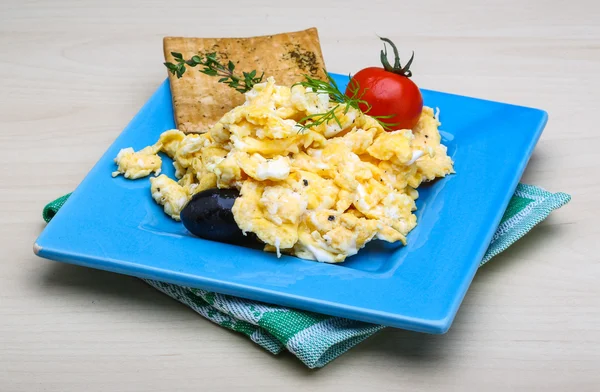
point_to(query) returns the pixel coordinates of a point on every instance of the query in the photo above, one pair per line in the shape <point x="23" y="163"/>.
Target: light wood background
<point x="73" y="73"/>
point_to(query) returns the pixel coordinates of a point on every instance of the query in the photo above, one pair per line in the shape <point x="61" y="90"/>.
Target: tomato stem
<point x="397" y="68"/>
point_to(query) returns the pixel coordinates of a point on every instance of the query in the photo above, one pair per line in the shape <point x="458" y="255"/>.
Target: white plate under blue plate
<point x="113" y="224"/>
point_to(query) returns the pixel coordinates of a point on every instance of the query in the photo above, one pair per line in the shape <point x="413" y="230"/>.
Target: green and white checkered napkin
<point x="317" y="339"/>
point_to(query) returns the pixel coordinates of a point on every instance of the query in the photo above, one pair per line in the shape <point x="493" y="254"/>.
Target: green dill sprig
<point x="353" y="100"/>
<point x="212" y="67"/>
<point x="330" y="88"/>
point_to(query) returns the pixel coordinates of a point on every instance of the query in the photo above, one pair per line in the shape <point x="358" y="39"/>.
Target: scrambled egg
<point x="319" y="193"/>
<point x="134" y="165"/>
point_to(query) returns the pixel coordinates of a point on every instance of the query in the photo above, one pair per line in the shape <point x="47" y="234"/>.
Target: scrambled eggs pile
<point x="319" y="193"/>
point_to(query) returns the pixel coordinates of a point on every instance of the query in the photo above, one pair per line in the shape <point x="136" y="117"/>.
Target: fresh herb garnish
<point x="330" y="88"/>
<point x="354" y="100"/>
<point x="212" y="67"/>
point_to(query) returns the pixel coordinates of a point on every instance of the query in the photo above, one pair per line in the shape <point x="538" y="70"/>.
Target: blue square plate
<point x="113" y="224"/>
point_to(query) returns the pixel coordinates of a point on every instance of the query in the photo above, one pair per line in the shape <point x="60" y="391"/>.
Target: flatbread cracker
<point x="200" y="100"/>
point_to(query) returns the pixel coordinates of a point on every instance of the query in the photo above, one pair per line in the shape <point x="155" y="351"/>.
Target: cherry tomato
<point x="388" y="91"/>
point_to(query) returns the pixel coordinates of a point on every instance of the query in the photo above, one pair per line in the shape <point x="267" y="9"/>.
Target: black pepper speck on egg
<point x="305" y="182"/>
<point x="331" y="218"/>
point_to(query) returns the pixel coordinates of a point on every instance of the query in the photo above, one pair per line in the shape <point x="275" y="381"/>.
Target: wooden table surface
<point x="73" y="73"/>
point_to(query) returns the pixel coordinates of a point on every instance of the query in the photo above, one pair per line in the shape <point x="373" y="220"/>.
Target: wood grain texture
<point x="73" y="73"/>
